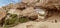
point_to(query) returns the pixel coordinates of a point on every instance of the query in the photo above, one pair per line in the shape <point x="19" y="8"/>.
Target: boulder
<point x="30" y="13"/>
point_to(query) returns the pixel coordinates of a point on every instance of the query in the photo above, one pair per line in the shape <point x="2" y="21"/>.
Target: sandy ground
<point x="32" y="24"/>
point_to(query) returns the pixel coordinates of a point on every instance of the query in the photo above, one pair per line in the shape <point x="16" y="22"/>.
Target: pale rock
<point x="14" y="11"/>
<point x="28" y="11"/>
<point x="29" y="1"/>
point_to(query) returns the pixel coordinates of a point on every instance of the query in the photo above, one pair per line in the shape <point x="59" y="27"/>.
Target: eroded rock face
<point x="48" y="4"/>
<point x="30" y="13"/>
<point x="53" y="16"/>
<point x="51" y="6"/>
<point x="15" y="11"/>
<point x="29" y="1"/>
<point x="27" y="8"/>
<point x="2" y="15"/>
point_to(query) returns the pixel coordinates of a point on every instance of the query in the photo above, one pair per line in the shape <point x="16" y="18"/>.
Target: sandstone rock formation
<point x="50" y="6"/>
<point x="2" y="15"/>
<point x="42" y="13"/>
<point x="27" y="7"/>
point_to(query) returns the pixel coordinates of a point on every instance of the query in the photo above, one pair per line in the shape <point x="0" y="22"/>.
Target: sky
<point x="6" y="2"/>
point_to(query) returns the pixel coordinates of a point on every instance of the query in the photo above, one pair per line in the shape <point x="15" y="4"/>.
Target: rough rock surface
<point x="2" y="15"/>
<point x="27" y="8"/>
<point x="48" y="4"/>
<point x="52" y="6"/>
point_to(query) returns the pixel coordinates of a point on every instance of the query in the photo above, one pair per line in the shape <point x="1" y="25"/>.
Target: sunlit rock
<point x="14" y="11"/>
<point x="2" y="15"/>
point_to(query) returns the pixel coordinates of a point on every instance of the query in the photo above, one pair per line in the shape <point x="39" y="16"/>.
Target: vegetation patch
<point x="14" y="20"/>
